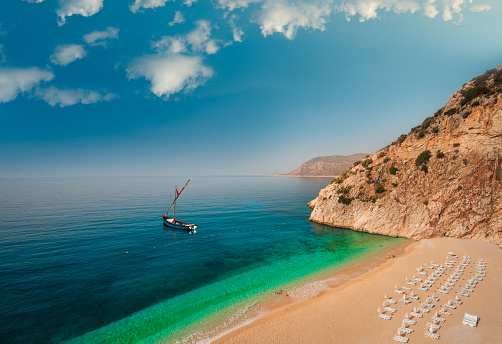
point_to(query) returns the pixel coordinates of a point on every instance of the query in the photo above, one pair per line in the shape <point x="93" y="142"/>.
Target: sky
<point x="226" y="87"/>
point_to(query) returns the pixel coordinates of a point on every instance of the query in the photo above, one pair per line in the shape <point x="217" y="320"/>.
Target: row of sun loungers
<point x="418" y="312"/>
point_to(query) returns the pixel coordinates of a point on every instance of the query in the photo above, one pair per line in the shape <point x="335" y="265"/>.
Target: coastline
<point x="303" y="292"/>
<point x="347" y="312"/>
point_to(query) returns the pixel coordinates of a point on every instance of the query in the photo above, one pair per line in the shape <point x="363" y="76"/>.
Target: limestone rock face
<point x="455" y="190"/>
<point x="326" y="166"/>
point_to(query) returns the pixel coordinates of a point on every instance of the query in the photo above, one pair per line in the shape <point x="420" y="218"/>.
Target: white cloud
<point x="453" y="8"/>
<point x="237" y="31"/>
<point x="481" y="8"/>
<point x="35" y="1"/>
<point x="199" y="36"/>
<point x="171" y="45"/>
<point x="178" y="19"/>
<point x="55" y="96"/>
<point x="189" y="3"/>
<point x="16" y="80"/>
<point x="170" y="74"/>
<point x="198" y="40"/>
<point x="84" y="8"/>
<point x="430" y="9"/>
<point x="99" y="37"/>
<point x="233" y="4"/>
<point x="285" y="17"/>
<point x="146" y="4"/>
<point x="63" y="55"/>
<point x="367" y="9"/>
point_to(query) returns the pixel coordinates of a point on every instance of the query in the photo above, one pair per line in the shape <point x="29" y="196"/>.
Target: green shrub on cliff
<point x="345" y="200"/>
<point x="380" y="189"/>
<point x="439" y="154"/>
<point x="393" y="170"/>
<point x="472" y="93"/>
<point x="423" y="158"/>
<point x="367" y="162"/>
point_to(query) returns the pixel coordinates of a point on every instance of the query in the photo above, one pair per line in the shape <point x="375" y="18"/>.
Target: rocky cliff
<point x="326" y="166"/>
<point x="442" y="179"/>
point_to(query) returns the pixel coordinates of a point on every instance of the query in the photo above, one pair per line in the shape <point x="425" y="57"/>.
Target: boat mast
<point x="175" y="198"/>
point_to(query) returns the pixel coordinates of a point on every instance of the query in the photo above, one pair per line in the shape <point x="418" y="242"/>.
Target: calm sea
<point x="88" y="260"/>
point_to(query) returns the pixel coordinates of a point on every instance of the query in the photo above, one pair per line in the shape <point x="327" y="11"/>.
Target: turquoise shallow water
<point x="92" y="262"/>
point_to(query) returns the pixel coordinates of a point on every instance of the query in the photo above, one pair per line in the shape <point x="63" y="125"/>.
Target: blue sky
<point x="226" y="87"/>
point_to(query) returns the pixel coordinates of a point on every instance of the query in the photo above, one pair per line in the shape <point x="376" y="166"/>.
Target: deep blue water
<point x="87" y="260"/>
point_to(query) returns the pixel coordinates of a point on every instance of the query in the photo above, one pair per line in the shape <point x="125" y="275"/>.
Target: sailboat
<point x="175" y="223"/>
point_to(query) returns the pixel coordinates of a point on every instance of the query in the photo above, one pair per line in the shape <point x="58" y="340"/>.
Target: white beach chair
<point x="416" y="315"/>
<point x="443" y="291"/>
<point x="468" y="290"/>
<point x="436" y="318"/>
<point x="389" y="309"/>
<point x="423" y="310"/>
<point x="384" y="316"/>
<point x="405" y="329"/>
<point x="423" y="289"/>
<point x="391" y="301"/>
<point x="434" y="326"/>
<point x="443" y="311"/>
<point x="458" y="302"/>
<point x="401" y="339"/>
<point x="463" y="294"/>
<point x="470" y="319"/>
<point x="409" y="322"/>
<point x="431" y="335"/>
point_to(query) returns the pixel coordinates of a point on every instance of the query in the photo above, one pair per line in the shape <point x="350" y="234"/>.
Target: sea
<point x="88" y="260"/>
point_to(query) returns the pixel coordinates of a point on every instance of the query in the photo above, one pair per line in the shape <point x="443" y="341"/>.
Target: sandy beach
<point x="348" y="313"/>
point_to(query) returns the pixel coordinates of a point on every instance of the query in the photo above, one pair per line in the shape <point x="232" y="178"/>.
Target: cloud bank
<point x="138" y="4"/>
<point x="170" y="74"/>
<point x="67" y="97"/>
<point x="17" y="80"/>
<point x="84" y="8"/>
<point x="100" y="37"/>
<point x="63" y="55"/>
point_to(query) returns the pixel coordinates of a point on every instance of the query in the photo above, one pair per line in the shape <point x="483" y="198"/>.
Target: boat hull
<point x="177" y="224"/>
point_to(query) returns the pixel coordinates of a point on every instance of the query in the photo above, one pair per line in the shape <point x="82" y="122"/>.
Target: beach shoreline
<point x="347" y="311"/>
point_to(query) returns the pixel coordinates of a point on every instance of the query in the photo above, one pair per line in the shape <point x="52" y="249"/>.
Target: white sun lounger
<point x="443" y="291"/>
<point x="468" y="289"/>
<point x="434" y="326"/>
<point x="438" y="319"/>
<point x="391" y="301"/>
<point x="411" y="283"/>
<point x="417" y="279"/>
<point x="449" y="284"/>
<point x="414" y="297"/>
<point x="398" y="291"/>
<point x="406" y="288"/>
<point x="477" y="279"/>
<point x="446" y="287"/>
<point x="385" y="316"/>
<point x="470" y="285"/>
<point x="422" y="273"/>
<point x="458" y="302"/>
<point x="423" y="310"/>
<point x="409" y="321"/>
<point x="444" y="312"/>
<point x="400" y="339"/>
<point x="470" y="319"/>
<point x="463" y="294"/>
<point x="416" y="315"/>
<point x="450" y="306"/>
<point x="431" y="335"/>
<point x="435" y="299"/>
<point x="405" y="301"/>
<point x="423" y="289"/>
<point x="405" y="329"/>
<point x="426" y="304"/>
<point x="389" y="309"/>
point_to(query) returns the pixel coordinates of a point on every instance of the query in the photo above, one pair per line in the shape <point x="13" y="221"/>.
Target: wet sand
<point x="348" y="312"/>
